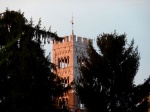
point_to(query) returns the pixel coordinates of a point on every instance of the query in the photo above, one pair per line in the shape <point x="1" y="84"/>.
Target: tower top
<point x="72" y="22"/>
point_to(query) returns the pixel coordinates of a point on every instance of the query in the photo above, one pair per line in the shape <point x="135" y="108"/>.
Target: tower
<point x="67" y="55"/>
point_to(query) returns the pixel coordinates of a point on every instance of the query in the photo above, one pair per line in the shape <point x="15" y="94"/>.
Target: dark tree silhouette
<point x="106" y="83"/>
<point x="27" y="83"/>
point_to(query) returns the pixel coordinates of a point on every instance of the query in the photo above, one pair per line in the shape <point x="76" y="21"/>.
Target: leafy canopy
<point x="27" y="83"/>
<point x="106" y="81"/>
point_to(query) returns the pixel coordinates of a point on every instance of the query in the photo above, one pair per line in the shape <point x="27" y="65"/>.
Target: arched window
<point x="60" y="102"/>
<point x="66" y="100"/>
<point x="77" y="59"/>
<point x="59" y="63"/>
<point x="65" y="80"/>
<point x="68" y="80"/>
<point x="63" y="64"/>
<point x="67" y="61"/>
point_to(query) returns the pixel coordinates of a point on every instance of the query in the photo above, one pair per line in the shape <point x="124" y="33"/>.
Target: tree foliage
<point x="27" y="83"/>
<point x="106" y="82"/>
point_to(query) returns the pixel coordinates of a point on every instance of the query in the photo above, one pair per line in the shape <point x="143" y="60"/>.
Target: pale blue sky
<point x="91" y="18"/>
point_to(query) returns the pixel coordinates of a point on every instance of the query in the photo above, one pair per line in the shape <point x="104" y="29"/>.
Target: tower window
<point x="66" y="100"/>
<point x="65" y="80"/>
<point x="77" y="59"/>
<point x="67" y="61"/>
<point x="59" y="63"/>
<point x="63" y="62"/>
<point x="68" y="80"/>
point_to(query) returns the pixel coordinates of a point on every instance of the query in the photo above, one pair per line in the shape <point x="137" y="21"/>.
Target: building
<point x="68" y="54"/>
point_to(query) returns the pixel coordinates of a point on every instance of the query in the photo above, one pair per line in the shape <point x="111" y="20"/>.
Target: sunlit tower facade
<point x="67" y="55"/>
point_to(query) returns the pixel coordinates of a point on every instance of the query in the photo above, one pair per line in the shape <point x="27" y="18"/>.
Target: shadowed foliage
<point x="106" y="83"/>
<point x="27" y="83"/>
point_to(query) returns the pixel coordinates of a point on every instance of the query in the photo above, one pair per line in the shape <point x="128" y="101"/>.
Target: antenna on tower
<point x="72" y="24"/>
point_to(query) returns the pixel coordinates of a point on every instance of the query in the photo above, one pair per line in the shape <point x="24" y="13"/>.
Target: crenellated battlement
<point x="73" y="39"/>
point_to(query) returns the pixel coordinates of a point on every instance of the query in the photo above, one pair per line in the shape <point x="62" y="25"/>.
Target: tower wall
<point x="67" y="55"/>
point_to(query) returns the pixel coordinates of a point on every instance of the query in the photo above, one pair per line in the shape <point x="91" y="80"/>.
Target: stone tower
<point x="68" y="55"/>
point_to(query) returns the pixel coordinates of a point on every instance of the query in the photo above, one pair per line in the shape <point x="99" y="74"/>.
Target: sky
<point x="91" y="18"/>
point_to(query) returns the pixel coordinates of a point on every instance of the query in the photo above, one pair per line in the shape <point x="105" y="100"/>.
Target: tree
<point x="106" y="82"/>
<point x="27" y="83"/>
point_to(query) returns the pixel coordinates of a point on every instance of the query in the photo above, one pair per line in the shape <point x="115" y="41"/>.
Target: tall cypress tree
<point x="106" y="83"/>
<point x="27" y="83"/>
